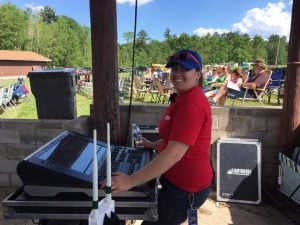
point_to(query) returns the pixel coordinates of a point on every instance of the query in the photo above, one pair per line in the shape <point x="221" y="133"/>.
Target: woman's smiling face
<point x="183" y="79"/>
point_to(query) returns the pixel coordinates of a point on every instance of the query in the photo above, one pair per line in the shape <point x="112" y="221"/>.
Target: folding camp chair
<point x="139" y="89"/>
<point x="2" y="105"/>
<point x="124" y="89"/>
<point x="276" y="84"/>
<point x="7" y="97"/>
<point x="162" y="93"/>
<point x="258" y="92"/>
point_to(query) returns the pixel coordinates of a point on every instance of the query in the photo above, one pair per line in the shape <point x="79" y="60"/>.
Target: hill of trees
<point x="68" y="43"/>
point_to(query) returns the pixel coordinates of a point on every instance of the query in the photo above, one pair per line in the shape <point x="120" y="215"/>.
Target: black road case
<point x="57" y="181"/>
<point x="19" y="205"/>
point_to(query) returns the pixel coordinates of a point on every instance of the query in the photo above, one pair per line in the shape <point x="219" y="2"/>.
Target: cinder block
<point x="273" y="125"/>
<point x="15" y="180"/>
<point x="27" y="136"/>
<point x="4" y="180"/>
<point x="19" y="151"/>
<point x="237" y="124"/>
<point x="258" y="124"/>
<point x="8" y="166"/>
<point x="215" y="122"/>
<point x="9" y="136"/>
<point x="3" y="152"/>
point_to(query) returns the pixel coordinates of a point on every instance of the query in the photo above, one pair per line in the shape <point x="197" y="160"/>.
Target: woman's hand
<point x="151" y="145"/>
<point x="119" y="182"/>
<point x="147" y="144"/>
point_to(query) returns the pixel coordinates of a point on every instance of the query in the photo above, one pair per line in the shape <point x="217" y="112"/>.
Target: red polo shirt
<point x="189" y="121"/>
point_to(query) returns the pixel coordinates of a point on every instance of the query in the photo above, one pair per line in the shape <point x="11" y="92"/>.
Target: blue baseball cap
<point x="189" y="59"/>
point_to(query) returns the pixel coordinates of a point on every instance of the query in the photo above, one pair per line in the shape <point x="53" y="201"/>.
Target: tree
<point x="13" y="25"/>
<point x="277" y="49"/>
<point x="67" y="45"/>
<point x="31" y="29"/>
<point x="47" y="15"/>
<point x="167" y="34"/>
<point x="259" y="48"/>
<point x="128" y="36"/>
<point x="283" y="51"/>
<point x="238" y="47"/>
<point x="171" y="40"/>
<point x="142" y="39"/>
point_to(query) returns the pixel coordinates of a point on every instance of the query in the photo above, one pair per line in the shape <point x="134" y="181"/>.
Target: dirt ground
<point x="215" y="213"/>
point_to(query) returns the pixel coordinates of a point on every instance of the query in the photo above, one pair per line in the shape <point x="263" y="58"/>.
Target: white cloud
<point x="34" y="8"/>
<point x="270" y="20"/>
<point x="273" y="19"/>
<point x="132" y="2"/>
<point x="203" y="31"/>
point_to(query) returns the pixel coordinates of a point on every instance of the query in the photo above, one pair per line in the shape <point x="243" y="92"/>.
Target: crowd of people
<point x="221" y="82"/>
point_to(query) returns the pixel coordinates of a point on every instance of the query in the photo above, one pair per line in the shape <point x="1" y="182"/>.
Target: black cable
<point x="132" y="70"/>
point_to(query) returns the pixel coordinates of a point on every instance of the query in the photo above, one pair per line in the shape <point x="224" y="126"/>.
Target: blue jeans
<point x="173" y="204"/>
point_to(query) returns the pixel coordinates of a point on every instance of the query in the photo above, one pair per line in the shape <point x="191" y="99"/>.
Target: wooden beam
<point x="290" y="124"/>
<point x="105" y="68"/>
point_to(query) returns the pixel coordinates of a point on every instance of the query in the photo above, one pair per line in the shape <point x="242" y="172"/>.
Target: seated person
<point x="215" y="83"/>
<point x="211" y="79"/>
<point x="225" y="75"/>
<point x="235" y="77"/>
<point x="259" y="80"/>
<point x="215" y="75"/>
<point x="20" y="90"/>
<point x="208" y="72"/>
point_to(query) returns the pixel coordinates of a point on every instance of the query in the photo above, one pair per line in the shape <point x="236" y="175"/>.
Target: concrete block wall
<point x="234" y="122"/>
<point x="19" y="138"/>
<point x="251" y="123"/>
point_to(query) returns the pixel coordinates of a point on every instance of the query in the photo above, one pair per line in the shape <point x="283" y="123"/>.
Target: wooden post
<point x="105" y="68"/>
<point x="290" y="123"/>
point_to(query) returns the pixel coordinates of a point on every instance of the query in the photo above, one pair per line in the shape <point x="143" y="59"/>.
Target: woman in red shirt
<point x="183" y="159"/>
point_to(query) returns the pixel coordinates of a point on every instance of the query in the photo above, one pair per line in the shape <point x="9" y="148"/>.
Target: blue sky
<point x="261" y="17"/>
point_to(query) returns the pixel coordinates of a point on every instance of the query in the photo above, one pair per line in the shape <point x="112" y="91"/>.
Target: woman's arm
<point x="239" y="82"/>
<point x="250" y="85"/>
<point x="151" y="145"/>
<point x="160" y="164"/>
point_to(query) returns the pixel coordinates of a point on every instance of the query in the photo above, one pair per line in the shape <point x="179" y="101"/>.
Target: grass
<point x="27" y="110"/>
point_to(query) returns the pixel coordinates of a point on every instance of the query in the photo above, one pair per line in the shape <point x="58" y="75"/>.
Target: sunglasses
<point x="183" y="56"/>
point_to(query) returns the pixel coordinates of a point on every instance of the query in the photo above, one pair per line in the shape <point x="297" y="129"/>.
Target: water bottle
<point x="137" y="136"/>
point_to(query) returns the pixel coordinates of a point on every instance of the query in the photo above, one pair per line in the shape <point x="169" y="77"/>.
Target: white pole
<point x="108" y="164"/>
<point x="95" y="171"/>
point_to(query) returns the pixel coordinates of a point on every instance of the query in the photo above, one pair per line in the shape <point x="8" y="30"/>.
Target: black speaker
<point x="239" y="170"/>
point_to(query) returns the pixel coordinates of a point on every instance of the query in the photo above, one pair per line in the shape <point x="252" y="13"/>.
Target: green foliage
<point x="13" y="25"/>
<point x="27" y="109"/>
<point x="47" y="15"/>
<point x="61" y="38"/>
<point x="67" y="43"/>
<point x="128" y="36"/>
<point x="214" y="48"/>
